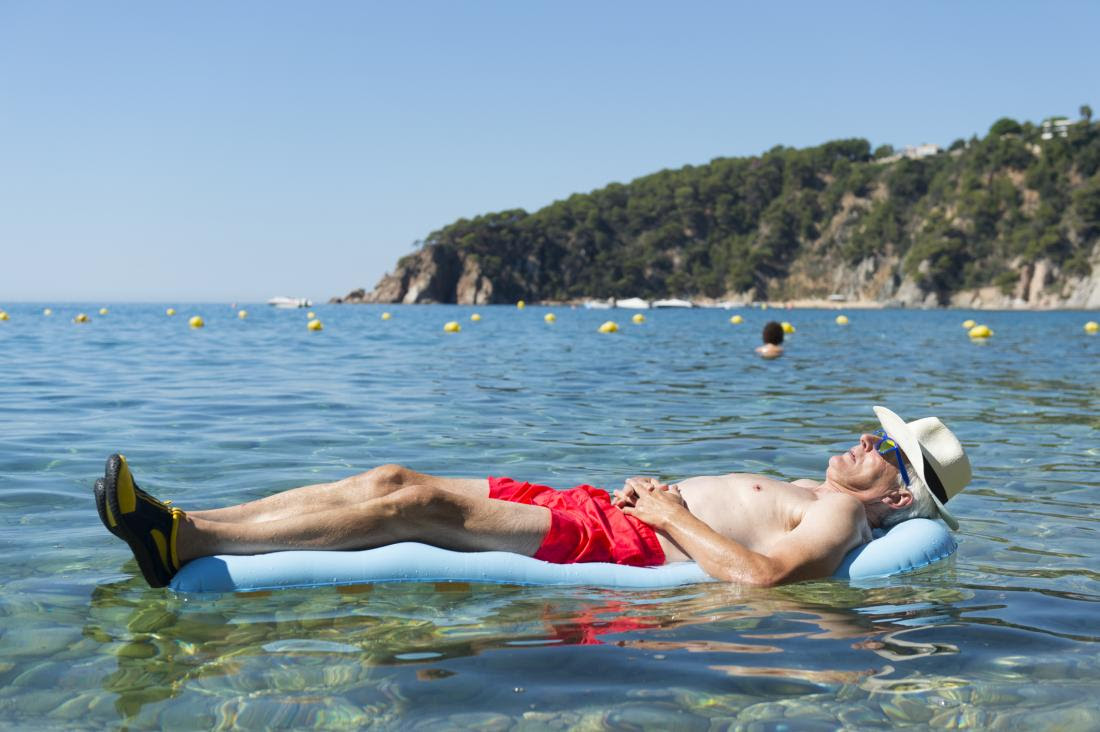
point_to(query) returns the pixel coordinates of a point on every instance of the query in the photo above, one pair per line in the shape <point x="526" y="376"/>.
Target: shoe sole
<point x="113" y="502"/>
<point x="100" y="494"/>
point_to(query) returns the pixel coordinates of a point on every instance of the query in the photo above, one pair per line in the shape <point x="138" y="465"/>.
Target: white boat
<point x="281" y="301"/>
<point x="599" y="304"/>
<point x="673" y="303"/>
<point x="633" y="303"/>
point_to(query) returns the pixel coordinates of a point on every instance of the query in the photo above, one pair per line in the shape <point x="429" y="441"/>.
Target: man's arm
<point x="815" y="548"/>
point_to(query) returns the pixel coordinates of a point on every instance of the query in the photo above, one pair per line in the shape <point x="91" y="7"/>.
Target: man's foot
<point x="105" y="514"/>
<point x="148" y="526"/>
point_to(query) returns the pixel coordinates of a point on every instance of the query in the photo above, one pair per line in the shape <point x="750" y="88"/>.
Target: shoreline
<point x="799" y="304"/>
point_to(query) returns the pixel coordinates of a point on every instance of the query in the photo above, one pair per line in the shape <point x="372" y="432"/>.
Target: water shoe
<point x="147" y="525"/>
<point x="105" y="514"/>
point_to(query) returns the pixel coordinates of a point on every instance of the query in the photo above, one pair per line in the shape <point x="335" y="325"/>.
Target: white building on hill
<point x="1056" y="127"/>
<point x="915" y="152"/>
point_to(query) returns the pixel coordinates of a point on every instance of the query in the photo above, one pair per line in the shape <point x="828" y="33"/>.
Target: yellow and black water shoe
<point x="105" y="515"/>
<point x="147" y="525"/>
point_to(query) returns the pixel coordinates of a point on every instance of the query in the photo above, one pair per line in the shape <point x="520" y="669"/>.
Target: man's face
<point x="863" y="470"/>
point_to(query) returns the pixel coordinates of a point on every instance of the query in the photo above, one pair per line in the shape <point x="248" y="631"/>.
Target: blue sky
<point x="231" y="151"/>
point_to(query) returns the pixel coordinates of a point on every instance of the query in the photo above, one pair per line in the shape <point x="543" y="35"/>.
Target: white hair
<point x="923" y="505"/>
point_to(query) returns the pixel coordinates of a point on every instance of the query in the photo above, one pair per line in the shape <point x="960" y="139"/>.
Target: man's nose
<point x="867" y="441"/>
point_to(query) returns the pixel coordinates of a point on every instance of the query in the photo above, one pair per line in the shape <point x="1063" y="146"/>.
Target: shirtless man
<point x="751" y="529"/>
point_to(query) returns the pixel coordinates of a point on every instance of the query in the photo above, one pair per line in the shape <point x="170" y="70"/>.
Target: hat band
<point x="934" y="483"/>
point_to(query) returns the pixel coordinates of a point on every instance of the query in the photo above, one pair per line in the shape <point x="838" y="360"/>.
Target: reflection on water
<point x="1002" y="634"/>
<point x="402" y="653"/>
<point x="319" y="655"/>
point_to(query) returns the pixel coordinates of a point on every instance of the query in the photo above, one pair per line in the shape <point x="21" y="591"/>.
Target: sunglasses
<point x="886" y="445"/>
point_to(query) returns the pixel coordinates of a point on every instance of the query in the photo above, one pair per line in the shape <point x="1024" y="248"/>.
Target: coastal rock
<point x="473" y="288"/>
<point x="435" y="274"/>
<point x="1040" y="285"/>
<point x="910" y="294"/>
<point x="428" y="276"/>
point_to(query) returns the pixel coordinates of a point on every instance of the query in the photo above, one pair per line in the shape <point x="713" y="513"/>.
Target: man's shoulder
<point x="835" y="521"/>
<point x="838" y="504"/>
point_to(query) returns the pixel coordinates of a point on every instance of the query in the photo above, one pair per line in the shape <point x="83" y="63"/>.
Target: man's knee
<point x="375" y="483"/>
<point x="390" y="476"/>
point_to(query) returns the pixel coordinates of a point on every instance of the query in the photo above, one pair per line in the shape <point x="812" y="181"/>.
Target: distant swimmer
<point x="773" y="340"/>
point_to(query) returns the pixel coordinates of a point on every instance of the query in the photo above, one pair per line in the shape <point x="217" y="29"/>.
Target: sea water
<point x="1004" y="633"/>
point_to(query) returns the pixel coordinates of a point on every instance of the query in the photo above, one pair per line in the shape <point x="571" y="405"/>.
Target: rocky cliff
<point x="432" y="275"/>
<point x="1009" y="221"/>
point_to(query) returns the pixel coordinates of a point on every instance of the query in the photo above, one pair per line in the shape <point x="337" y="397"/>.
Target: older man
<point x="745" y="528"/>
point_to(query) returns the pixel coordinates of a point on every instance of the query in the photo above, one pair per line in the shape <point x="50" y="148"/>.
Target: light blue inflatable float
<point x="909" y="545"/>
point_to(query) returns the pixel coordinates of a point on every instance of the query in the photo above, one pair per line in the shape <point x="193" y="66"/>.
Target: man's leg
<point x="351" y="491"/>
<point x="163" y="537"/>
<point x="452" y="520"/>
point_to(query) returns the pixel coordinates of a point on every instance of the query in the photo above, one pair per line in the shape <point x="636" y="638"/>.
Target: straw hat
<point x="935" y="454"/>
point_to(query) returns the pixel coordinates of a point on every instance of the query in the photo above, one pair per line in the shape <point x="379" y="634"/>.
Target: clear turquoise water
<point x="1005" y="633"/>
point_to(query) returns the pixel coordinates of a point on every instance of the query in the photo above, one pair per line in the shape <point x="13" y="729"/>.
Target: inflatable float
<point x="909" y="545"/>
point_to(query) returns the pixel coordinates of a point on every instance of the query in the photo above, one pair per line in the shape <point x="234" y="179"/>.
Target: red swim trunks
<point x="584" y="526"/>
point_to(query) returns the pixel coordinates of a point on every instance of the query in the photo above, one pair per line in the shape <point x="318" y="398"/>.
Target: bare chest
<point x="754" y="510"/>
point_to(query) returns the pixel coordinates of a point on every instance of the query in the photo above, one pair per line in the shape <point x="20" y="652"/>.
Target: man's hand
<point x="656" y="504"/>
<point x="633" y="487"/>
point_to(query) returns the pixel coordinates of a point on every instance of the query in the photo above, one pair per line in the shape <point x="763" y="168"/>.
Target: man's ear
<point x="898" y="499"/>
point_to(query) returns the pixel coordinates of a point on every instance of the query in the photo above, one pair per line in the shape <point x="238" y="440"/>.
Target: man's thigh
<point x="471" y="487"/>
<point x="480" y="523"/>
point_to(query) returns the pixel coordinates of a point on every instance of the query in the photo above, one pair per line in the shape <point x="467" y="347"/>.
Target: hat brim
<point x="896" y="427"/>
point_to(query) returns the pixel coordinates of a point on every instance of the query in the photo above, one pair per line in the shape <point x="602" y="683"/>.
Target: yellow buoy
<point x="980" y="331"/>
<point x="549" y="317"/>
<point x="311" y="315"/>
<point x="103" y="311"/>
<point x="242" y="314"/>
<point x="968" y="324"/>
<point x="737" y="320"/>
<point x="521" y="304"/>
<point x="452" y="327"/>
<point x="638" y="318"/>
<point x="609" y="327"/>
<point x="47" y="311"/>
<point x="386" y="316"/>
<point x="1092" y="326"/>
<point x="787" y="327"/>
<point x="315" y="325"/>
<point x="475" y="317"/>
<point x="196" y="321"/>
<point x="80" y="318"/>
<point x="170" y="312"/>
<point x="842" y="320"/>
<point x="3" y="315"/>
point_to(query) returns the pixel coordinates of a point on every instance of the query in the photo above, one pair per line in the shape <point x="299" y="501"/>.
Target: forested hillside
<point x="995" y="212"/>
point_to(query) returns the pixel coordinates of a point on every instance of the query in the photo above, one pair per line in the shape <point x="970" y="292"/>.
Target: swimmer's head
<point x="773" y="333"/>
